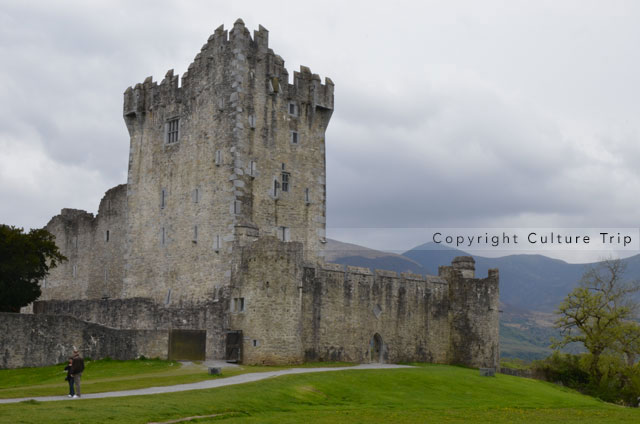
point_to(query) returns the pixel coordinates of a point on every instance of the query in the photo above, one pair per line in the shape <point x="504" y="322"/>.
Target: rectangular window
<point x="238" y="304"/>
<point x="237" y="206"/>
<point x="252" y="168"/>
<point x="293" y="109"/>
<point x="252" y="121"/>
<point x="195" y="195"/>
<point x="274" y="85"/>
<point x="294" y="137"/>
<point x="285" y="181"/>
<point x="162" y="236"/>
<point x="172" y="131"/>
<point x="306" y="196"/>
<point x="284" y="234"/>
<point x="216" y="242"/>
<point x="218" y="157"/>
<point x="74" y="271"/>
<point x="276" y="186"/>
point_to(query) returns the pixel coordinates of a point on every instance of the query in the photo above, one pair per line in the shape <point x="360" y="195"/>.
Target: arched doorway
<point x="376" y="348"/>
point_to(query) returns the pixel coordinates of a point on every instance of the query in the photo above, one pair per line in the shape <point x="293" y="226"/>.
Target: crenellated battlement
<point x="228" y="52"/>
<point x="459" y="264"/>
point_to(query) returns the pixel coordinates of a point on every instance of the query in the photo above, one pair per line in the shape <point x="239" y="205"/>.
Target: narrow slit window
<point x="163" y="236"/>
<point x="196" y="195"/>
<point x="276" y="186"/>
<point x="294" y="137"/>
<point x="216" y="242"/>
<point x="306" y="195"/>
<point x="106" y="236"/>
<point x="195" y="233"/>
<point x="163" y="199"/>
<point x="218" y="158"/>
<point x="252" y="168"/>
<point x="74" y="271"/>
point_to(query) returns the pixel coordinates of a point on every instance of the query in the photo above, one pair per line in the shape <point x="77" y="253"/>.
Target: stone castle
<point x="214" y="247"/>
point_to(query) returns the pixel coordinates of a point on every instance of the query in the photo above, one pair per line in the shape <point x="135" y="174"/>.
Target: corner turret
<point x="466" y="265"/>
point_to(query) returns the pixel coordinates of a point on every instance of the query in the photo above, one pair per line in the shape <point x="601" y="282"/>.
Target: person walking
<point x="69" y="377"/>
<point x="77" y="367"/>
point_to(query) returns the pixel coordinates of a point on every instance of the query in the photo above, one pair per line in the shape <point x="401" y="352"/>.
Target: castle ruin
<point x="214" y="245"/>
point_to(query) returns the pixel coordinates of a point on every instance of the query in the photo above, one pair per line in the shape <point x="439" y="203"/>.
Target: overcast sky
<point x="492" y="114"/>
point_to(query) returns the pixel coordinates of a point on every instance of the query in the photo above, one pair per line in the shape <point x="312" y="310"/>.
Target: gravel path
<point x="207" y="384"/>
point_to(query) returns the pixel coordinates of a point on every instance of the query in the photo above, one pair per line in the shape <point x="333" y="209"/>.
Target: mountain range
<point x="529" y="282"/>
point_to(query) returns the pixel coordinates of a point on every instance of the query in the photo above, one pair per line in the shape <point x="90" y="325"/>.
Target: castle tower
<point x="473" y="314"/>
<point x="230" y="153"/>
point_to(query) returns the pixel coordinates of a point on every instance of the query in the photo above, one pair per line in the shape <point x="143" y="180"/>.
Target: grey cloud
<point x="446" y="114"/>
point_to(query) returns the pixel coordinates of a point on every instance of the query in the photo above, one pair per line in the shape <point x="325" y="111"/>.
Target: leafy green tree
<point x="629" y="341"/>
<point x="25" y="259"/>
<point x="599" y="313"/>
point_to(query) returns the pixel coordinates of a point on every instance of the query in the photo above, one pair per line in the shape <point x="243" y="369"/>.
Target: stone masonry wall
<point x="474" y="318"/>
<point x="292" y="312"/>
<point x="95" y="249"/>
<point x="38" y="340"/>
<point x="268" y="278"/>
<point x="344" y="310"/>
<point x="146" y="314"/>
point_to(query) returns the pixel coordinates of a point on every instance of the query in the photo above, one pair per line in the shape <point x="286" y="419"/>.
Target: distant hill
<point x="533" y="282"/>
<point x="354" y="255"/>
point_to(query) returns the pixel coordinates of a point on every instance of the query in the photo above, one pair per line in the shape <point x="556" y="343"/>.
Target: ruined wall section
<point x="474" y="314"/>
<point x="146" y="314"/>
<point x="344" y="310"/>
<point x="40" y="340"/>
<point x="266" y="301"/>
<point x="192" y="200"/>
<point x="95" y="248"/>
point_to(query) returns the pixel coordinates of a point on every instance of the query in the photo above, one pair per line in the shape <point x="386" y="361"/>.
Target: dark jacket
<point x="68" y="370"/>
<point x="77" y="366"/>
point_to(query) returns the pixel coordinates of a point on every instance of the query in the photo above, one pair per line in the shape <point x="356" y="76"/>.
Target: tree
<point x="25" y="259"/>
<point x="629" y="341"/>
<point x="599" y="313"/>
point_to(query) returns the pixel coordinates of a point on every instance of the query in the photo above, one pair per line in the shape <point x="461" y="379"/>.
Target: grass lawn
<point x="108" y="376"/>
<point x="428" y="393"/>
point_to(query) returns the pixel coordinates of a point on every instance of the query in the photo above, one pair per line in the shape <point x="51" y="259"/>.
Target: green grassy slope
<point x="428" y="393"/>
<point x="107" y="375"/>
